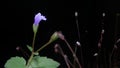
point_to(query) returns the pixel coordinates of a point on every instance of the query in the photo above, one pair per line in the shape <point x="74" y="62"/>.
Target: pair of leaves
<point x="37" y="62"/>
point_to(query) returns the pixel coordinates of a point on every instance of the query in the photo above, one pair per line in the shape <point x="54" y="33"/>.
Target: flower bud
<point x="38" y="17"/>
<point x="54" y="37"/>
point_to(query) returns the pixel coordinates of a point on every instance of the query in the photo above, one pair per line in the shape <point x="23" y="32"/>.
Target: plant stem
<point x="63" y="55"/>
<point x="110" y="58"/>
<point x="32" y="54"/>
<point x="78" y="31"/>
<point x="30" y="59"/>
<point x="66" y="61"/>
<point x="33" y="42"/>
<point x="43" y="47"/>
<point x="113" y="50"/>
<point x="74" y="55"/>
<point x="74" y="63"/>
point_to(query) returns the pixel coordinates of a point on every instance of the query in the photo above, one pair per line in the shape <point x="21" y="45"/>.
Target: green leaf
<point x="15" y="62"/>
<point x="43" y="62"/>
<point x="30" y="48"/>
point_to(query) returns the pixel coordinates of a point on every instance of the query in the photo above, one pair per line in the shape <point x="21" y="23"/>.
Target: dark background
<point x="18" y="17"/>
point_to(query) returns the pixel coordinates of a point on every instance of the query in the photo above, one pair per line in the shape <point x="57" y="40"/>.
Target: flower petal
<point x="38" y="18"/>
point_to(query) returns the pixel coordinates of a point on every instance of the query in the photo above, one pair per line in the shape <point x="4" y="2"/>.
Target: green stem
<point x="30" y="59"/>
<point x="33" y="42"/>
<point x="43" y="46"/>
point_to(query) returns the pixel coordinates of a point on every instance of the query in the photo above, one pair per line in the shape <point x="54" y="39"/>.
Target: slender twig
<point x="77" y="24"/>
<point x="100" y="40"/>
<point x="115" y="35"/>
<point x="61" y="36"/>
<point x="66" y="61"/>
<point x="78" y="31"/>
<point x="114" y="48"/>
<point x="74" y="63"/>
<point x="74" y="55"/>
<point x="70" y="63"/>
<point x="60" y="51"/>
<point x="76" y="45"/>
<point x="99" y="46"/>
<point x="99" y="50"/>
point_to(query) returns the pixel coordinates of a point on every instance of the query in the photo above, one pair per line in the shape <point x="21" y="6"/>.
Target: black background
<point x="18" y="16"/>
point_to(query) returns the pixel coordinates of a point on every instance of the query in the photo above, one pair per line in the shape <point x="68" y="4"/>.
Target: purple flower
<point x="38" y="18"/>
